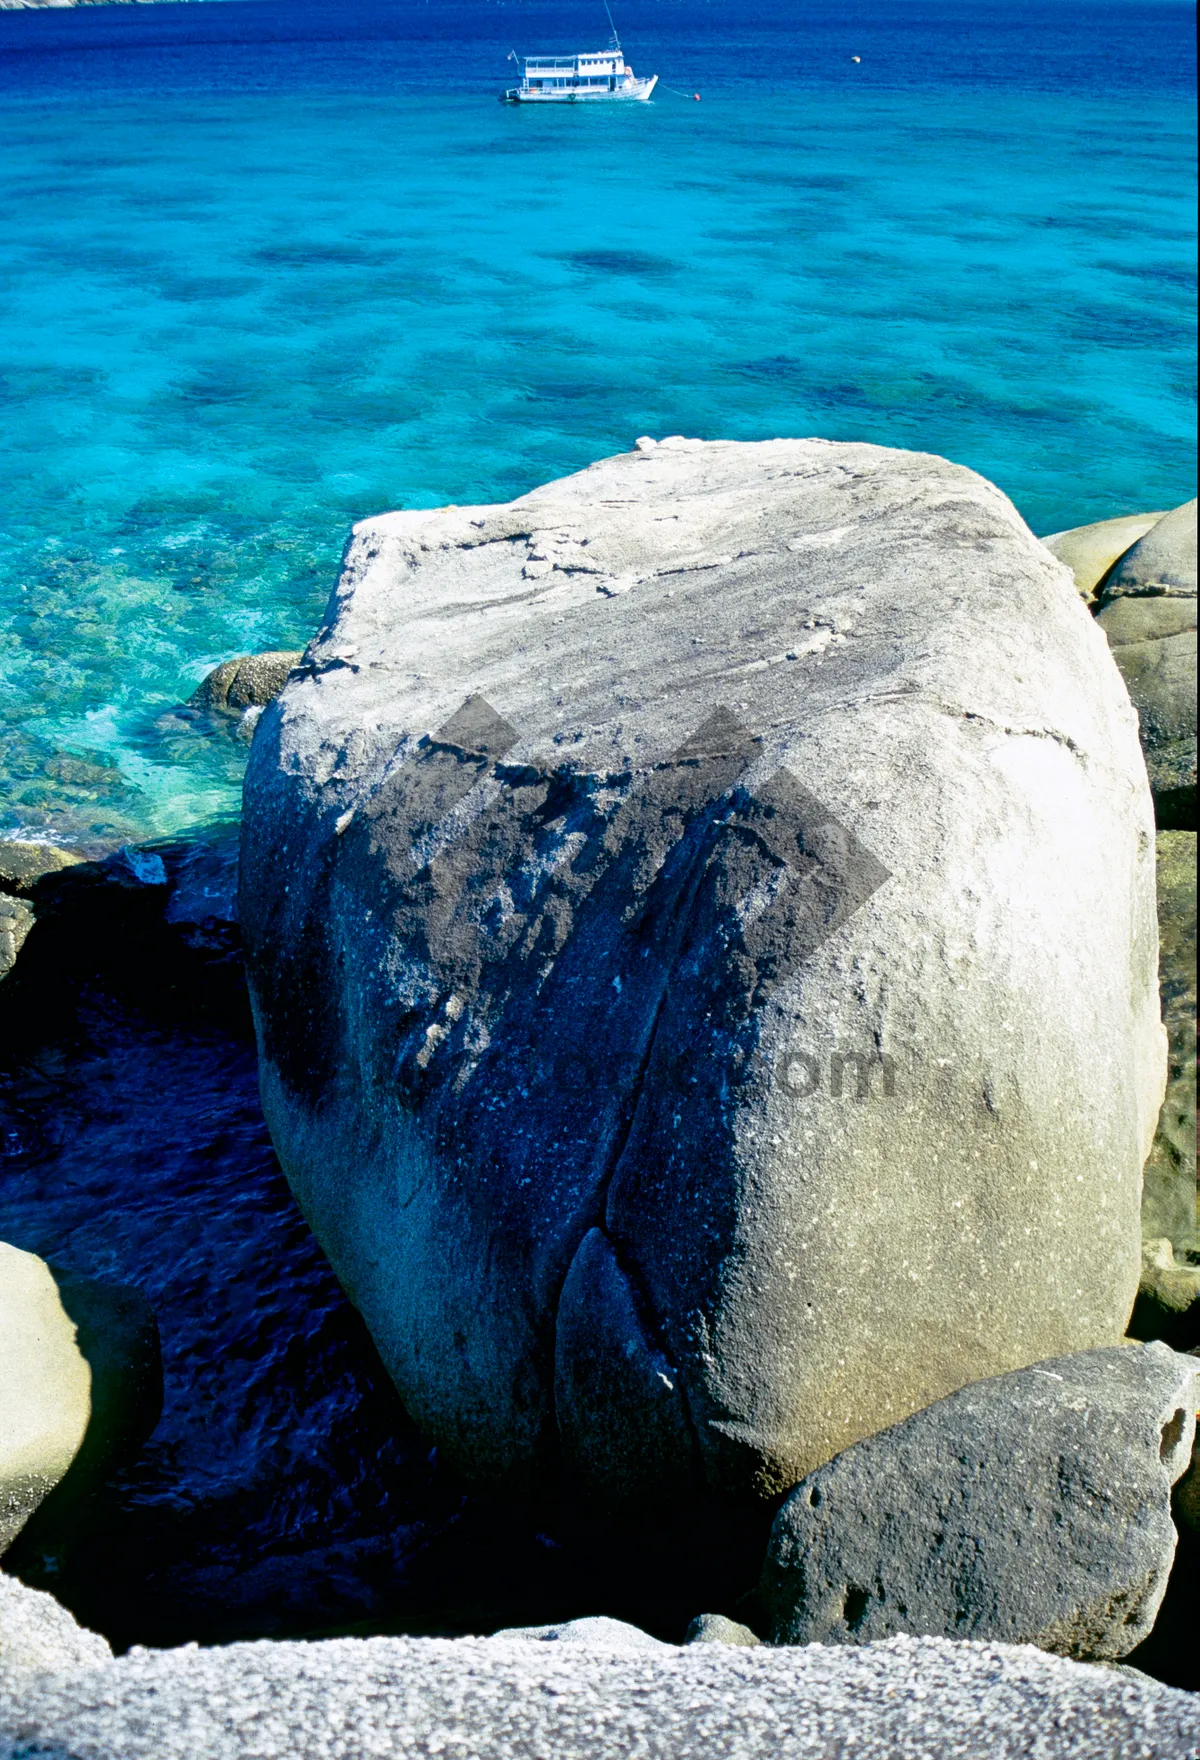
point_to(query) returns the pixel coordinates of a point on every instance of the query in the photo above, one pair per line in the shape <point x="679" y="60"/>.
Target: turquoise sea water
<point x="268" y="268"/>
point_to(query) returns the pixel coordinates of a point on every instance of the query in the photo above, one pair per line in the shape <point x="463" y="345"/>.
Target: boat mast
<point x="616" y="41"/>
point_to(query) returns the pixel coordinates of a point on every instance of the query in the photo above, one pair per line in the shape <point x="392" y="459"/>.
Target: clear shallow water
<point x="262" y="277"/>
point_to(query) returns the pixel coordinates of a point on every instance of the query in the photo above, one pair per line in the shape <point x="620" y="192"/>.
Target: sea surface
<point x="273" y="265"/>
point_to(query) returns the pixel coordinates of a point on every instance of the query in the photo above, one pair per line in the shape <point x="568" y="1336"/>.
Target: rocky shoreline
<point x="533" y="864"/>
<point x="595" y="1688"/>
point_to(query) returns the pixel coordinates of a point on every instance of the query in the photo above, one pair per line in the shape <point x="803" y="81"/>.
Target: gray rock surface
<point x="248" y="682"/>
<point x="1090" y="551"/>
<point x="1147" y="609"/>
<point x="700" y="923"/>
<point x="1161" y="563"/>
<point x="80" y="1388"/>
<point x="1161" y="678"/>
<point x="1187" y="1496"/>
<point x="1135" y="619"/>
<point x="1174" y="1286"/>
<point x="1032" y="1508"/>
<point x="596" y="1633"/>
<point x="38" y="1635"/>
<point x="509" y="1699"/>
<point x="16" y="920"/>
<point x="1169" y="1194"/>
<point x="715" y="1628"/>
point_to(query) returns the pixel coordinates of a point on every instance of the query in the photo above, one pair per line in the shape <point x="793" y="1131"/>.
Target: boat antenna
<point x="616" y="41"/>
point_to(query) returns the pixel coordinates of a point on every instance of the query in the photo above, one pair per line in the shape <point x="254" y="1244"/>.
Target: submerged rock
<point x="1090" y="551"/>
<point x="700" y="922"/>
<point x="22" y="864"/>
<point x="80" y="1388"/>
<point x="249" y="682"/>
<point x="497" y="1698"/>
<point x="1031" y="1509"/>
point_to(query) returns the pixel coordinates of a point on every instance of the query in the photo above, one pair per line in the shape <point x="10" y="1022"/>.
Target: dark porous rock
<point x="1169" y="1195"/>
<point x="1033" y="1508"/>
<point x="1161" y="563"/>
<point x="249" y="682"/>
<point x="1171" y="1652"/>
<point x="22" y="864"/>
<point x="16" y="920"/>
<point x="1090" y="551"/>
<point x="700" y="922"/>
<point x="715" y="1628"/>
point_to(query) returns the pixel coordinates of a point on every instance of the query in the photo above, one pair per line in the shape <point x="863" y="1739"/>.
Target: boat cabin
<point x="602" y="72"/>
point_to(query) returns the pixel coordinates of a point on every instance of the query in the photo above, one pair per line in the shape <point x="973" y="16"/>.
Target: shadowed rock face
<point x="700" y="920"/>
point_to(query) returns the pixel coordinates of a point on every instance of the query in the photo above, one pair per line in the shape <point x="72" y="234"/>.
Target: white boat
<point x="573" y="79"/>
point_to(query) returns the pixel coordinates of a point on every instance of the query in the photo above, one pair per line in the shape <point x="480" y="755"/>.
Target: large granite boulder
<point x="1160" y="564"/>
<point x="80" y="1389"/>
<point x="45" y="1388"/>
<point x="599" y="1691"/>
<point x="1034" y="1508"/>
<point x="1090" y="551"/>
<point x="700" y="922"/>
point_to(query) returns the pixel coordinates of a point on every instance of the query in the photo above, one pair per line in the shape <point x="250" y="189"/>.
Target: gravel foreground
<point x="594" y="1691"/>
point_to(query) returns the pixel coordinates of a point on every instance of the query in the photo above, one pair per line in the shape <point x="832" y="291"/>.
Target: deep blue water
<point x="271" y="266"/>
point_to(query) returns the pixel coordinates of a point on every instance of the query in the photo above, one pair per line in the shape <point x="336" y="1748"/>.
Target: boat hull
<point x="636" y="92"/>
